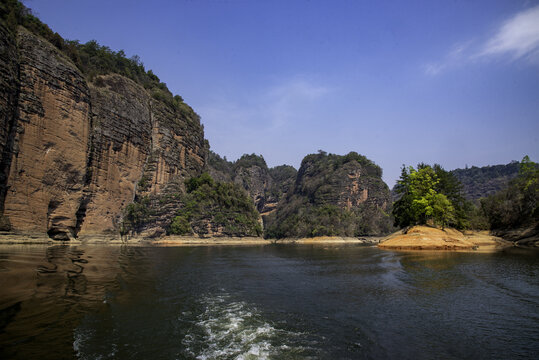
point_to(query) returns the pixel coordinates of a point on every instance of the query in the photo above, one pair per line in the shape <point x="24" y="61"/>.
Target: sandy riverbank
<point x="8" y="238"/>
<point x="429" y="238"/>
<point x="187" y="241"/>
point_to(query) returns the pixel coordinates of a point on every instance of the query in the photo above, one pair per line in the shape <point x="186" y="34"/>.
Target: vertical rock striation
<point x="76" y="154"/>
<point x="120" y="145"/>
<point x="48" y="162"/>
<point x="9" y="88"/>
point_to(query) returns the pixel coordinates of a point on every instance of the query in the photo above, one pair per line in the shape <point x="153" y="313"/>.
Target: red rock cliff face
<point x="121" y="143"/>
<point x="48" y="164"/>
<point x="9" y="88"/>
<point x="75" y="154"/>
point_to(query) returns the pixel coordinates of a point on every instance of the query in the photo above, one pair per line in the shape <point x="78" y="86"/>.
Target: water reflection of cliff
<point x="47" y="290"/>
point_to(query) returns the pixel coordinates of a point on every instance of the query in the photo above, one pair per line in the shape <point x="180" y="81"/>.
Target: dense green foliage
<point x="93" y="59"/>
<point x="135" y="216"/>
<point x="518" y="204"/>
<point x="223" y="206"/>
<point x="283" y="173"/>
<point x="246" y="161"/>
<point x="299" y="218"/>
<point x="229" y="168"/>
<point x="220" y="164"/>
<point x="284" y="178"/>
<point x="430" y="195"/>
<point x="314" y="207"/>
<point x="326" y="163"/>
<point x="478" y="182"/>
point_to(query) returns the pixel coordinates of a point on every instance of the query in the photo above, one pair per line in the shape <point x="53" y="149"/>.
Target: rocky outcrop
<point x="266" y="186"/>
<point x="525" y="236"/>
<point x="333" y="196"/>
<point x="178" y="152"/>
<point x="340" y="182"/>
<point x="256" y="181"/>
<point x="77" y="153"/>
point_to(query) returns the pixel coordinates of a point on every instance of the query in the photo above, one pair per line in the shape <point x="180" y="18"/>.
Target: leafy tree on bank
<point x="429" y="195"/>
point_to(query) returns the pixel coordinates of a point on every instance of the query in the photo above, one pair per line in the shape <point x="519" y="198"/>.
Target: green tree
<point x="420" y="202"/>
<point x="517" y="205"/>
<point x="180" y="226"/>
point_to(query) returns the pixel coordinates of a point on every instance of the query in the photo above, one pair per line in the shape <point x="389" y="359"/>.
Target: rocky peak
<point x="333" y="195"/>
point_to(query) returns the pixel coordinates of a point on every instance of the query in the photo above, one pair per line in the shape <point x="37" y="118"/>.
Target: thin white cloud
<point x="264" y="118"/>
<point x="517" y="37"/>
<point x="455" y="56"/>
<point x="272" y="108"/>
<point x="284" y="101"/>
<point x="434" y="69"/>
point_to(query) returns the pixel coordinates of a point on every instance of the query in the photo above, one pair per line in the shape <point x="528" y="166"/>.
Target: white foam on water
<point x="82" y="338"/>
<point x="229" y="329"/>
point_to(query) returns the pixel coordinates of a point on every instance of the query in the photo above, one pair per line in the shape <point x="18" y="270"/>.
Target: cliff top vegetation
<point x="93" y="59"/>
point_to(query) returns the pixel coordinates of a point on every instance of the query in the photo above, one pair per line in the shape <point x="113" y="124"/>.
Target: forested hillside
<point x="478" y="182"/>
<point x="333" y="195"/>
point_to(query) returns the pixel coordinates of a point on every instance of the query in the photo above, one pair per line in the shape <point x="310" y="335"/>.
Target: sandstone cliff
<point x="9" y="89"/>
<point x="75" y="152"/>
<point x="50" y="146"/>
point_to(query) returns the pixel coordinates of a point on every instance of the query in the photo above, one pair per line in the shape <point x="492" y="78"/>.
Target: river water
<point x="266" y="302"/>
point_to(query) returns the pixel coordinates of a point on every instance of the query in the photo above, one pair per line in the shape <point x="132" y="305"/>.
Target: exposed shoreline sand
<point x="429" y="238"/>
<point x="21" y="239"/>
<point x="416" y="238"/>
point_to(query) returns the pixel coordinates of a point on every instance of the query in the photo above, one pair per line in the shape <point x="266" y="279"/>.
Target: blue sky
<point x="402" y="82"/>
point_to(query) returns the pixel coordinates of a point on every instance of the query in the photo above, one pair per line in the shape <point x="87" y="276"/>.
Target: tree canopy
<point x="429" y="195"/>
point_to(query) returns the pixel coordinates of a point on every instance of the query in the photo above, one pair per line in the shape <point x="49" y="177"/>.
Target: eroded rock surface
<point x="121" y="143"/>
<point x="76" y="154"/>
<point x="49" y="155"/>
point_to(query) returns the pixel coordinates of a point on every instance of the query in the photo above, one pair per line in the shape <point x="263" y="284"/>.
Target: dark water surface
<point x="257" y="302"/>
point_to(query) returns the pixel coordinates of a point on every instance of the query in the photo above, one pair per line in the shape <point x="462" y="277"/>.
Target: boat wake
<point x="229" y="329"/>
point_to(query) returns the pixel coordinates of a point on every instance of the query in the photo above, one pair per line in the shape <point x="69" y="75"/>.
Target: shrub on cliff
<point x="135" y="216"/>
<point x="180" y="226"/>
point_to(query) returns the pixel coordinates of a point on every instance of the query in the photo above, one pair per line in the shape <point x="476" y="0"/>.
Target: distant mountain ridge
<point x="479" y="182"/>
